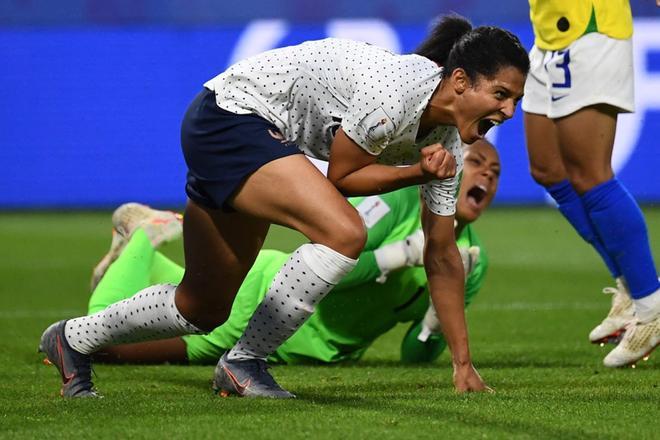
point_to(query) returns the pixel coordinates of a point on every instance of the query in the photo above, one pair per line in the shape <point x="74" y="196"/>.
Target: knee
<point x="348" y="236"/>
<point x="547" y="174"/>
<point x="584" y="181"/>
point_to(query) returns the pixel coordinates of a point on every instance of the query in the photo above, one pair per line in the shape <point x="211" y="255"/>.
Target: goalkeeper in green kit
<point x="388" y="286"/>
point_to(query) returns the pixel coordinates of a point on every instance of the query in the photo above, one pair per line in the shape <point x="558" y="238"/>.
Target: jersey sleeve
<point x="440" y="196"/>
<point x="377" y="108"/>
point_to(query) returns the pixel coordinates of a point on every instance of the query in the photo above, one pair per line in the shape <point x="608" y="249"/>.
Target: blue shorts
<point x="222" y="149"/>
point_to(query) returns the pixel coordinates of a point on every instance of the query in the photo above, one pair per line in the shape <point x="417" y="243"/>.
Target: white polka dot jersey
<point x="377" y="97"/>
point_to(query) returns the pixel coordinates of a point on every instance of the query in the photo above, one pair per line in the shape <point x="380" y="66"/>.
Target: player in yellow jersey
<point x="581" y="78"/>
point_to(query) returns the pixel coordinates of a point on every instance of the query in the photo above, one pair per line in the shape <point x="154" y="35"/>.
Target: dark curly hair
<point x="453" y="43"/>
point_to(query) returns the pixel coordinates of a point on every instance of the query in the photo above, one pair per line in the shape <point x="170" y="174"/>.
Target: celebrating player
<point x="364" y="110"/>
<point x="362" y="306"/>
<point x="581" y="79"/>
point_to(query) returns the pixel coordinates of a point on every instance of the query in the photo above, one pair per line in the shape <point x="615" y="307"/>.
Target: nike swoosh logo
<point x="66" y="378"/>
<point x="240" y="387"/>
<point x="557" y="98"/>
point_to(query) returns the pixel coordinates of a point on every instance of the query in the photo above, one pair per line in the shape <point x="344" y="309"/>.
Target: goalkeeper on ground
<point x="388" y="286"/>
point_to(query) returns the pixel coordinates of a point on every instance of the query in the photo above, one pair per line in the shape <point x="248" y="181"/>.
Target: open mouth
<point x="476" y="194"/>
<point x="486" y="124"/>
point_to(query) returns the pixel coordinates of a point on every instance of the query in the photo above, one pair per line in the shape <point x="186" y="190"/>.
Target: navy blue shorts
<point x="222" y="149"/>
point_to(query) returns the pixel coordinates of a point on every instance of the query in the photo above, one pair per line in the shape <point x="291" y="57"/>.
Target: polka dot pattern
<point x="147" y="315"/>
<point x="440" y="196"/>
<point x="290" y="300"/>
<point x="309" y="90"/>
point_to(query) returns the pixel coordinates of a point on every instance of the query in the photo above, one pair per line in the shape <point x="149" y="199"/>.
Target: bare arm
<point x="355" y="172"/>
<point x="444" y="271"/>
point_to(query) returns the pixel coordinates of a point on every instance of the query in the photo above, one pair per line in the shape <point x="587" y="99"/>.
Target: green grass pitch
<point x="528" y="329"/>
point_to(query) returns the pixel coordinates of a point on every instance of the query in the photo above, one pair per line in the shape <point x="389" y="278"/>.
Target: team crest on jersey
<point x="371" y="131"/>
<point x="378" y="128"/>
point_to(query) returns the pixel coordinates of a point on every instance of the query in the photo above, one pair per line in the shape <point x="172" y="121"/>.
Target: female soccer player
<point x="362" y="306"/>
<point x="364" y="110"/>
<point x="581" y="79"/>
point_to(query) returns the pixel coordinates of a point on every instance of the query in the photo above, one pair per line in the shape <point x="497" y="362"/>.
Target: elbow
<point x="340" y="184"/>
<point x="345" y="188"/>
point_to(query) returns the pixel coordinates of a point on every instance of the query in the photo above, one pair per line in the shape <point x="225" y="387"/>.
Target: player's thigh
<point x="595" y="69"/>
<point x="219" y="248"/>
<point x="541" y="138"/>
<point x="291" y="191"/>
<point x="586" y="140"/>
<point x="545" y="160"/>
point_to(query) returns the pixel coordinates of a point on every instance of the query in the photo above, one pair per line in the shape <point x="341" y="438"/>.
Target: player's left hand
<point x="466" y="379"/>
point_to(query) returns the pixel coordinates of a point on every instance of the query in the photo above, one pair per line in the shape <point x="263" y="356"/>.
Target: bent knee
<point x="348" y="236"/>
<point x="585" y="182"/>
<point x="547" y="175"/>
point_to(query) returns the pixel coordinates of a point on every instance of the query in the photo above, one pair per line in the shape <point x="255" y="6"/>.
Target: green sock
<point x="165" y="271"/>
<point x="127" y="275"/>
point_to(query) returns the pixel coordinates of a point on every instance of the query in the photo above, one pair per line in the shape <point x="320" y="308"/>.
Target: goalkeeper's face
<point x="481" y="175"/>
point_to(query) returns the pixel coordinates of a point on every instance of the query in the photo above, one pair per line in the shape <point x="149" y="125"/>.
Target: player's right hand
<point x="437" y="163"/>
<point x="466" y="379"/>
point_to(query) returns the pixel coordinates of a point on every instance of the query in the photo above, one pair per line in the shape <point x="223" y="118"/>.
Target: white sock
<point x="647" y="308"/>
<point x="149" y="314"/>
<point x="307" y="276"/>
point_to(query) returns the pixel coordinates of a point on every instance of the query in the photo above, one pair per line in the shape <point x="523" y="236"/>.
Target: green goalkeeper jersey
<point x="359" y="309"/>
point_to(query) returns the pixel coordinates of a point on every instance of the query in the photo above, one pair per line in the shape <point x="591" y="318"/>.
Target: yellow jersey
<point x="557" y="23"/>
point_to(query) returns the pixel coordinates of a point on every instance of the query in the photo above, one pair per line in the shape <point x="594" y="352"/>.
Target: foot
<point x="246" y="378"/>
<point x="621" y="314"/>
<point x="637" y="343"/>
<point x="75" y="368"/>
<point x="160" y="227"/>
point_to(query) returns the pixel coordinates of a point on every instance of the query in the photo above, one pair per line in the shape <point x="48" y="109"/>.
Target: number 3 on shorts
<point x="560" y="60"/>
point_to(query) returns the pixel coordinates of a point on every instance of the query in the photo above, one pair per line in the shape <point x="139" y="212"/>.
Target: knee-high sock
<point x="620" y="225"/>
<point x="149" y="314"/>
<point x="572" y="208"/>
<point x="307" y="276"/>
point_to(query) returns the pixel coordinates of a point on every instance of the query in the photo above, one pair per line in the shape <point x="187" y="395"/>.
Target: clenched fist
<point x="437" y="163"/>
